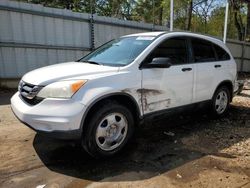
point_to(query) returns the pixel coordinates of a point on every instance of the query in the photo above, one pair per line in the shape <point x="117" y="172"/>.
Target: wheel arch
<point x="229" y="85"/>
<point x="122" y="98"/>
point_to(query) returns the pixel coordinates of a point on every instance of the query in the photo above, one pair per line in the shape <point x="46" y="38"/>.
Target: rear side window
<point x="222" y="55"/>
<point x="203" y="51"/>
<point x="174" y="48"/>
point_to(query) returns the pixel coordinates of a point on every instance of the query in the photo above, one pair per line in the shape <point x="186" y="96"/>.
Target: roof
<point x="178" y="33"/>
<point x="152" y="34"/>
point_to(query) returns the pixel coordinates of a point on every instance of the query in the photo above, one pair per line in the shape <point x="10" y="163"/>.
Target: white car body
<point x="151" y="90"/>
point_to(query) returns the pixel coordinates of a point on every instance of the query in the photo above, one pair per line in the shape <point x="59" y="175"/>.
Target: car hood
<point x="63" y="71"/>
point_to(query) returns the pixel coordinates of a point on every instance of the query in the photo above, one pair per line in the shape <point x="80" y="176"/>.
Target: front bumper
<point x="60" y="118"/>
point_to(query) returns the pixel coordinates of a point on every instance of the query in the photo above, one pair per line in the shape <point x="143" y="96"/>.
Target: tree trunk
<point x="238" y="26"/>
<point x="238" y="19"/>
<point x="160" y="15"/>
<point x="189" y="17"/>
<point x="205" y="25"/>
<point x="248" y="21"/>
<point x="68" y="5"/>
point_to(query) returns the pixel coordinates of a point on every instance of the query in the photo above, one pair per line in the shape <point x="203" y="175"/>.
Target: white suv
<point x="103" y="96"/>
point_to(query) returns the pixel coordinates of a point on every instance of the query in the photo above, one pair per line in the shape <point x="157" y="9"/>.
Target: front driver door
<point x="164" y="88"/>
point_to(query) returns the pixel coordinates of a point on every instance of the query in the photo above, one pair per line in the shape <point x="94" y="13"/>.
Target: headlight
<point x="62" y="89"/>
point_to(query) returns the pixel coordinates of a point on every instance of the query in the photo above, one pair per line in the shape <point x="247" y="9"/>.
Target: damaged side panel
<point x="153" y="99"/>
<point x="149" y="100"/>
<point x="166" y="88"/>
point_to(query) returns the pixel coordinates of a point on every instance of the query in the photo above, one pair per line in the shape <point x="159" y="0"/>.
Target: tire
<point x="220" y="101"/>
<point x="108" y="130"/>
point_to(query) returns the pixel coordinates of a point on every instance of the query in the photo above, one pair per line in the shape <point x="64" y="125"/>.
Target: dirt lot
<point x="181" y="151"/>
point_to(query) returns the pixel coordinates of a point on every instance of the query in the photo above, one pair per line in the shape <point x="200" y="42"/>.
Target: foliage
<point x="204" y="16"/>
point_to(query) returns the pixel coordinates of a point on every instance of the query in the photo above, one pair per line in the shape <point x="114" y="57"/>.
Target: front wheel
<point x="109" y="129"/>
<point x="220" y="102"/>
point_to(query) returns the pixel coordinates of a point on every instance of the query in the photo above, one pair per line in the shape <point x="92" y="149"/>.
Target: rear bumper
<point x="238" y="87"/>
<point x="58" y="118"/>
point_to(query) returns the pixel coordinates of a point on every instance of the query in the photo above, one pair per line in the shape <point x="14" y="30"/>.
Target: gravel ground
<point x="179" y="151"/>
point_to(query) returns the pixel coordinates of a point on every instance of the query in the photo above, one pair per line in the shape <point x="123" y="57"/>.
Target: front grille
<point x="28" y="92"/>
<point x="33" y="101"/>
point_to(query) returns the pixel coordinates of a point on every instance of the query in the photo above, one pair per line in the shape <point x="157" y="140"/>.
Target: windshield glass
<point x="119" y="52"/>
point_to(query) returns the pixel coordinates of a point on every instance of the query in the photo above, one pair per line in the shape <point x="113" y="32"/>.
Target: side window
<point x="174" y="48"/>
<point x="203" y="51"/>
<point x="222" y="55"/>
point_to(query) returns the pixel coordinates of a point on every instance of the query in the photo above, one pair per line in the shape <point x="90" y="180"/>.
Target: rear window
<point x="203" y="51"/>
<point x="222" y="55"/>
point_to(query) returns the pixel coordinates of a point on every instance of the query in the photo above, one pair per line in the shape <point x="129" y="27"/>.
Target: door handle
<point x="186" y="69"/>
<point x="217" y="66"/>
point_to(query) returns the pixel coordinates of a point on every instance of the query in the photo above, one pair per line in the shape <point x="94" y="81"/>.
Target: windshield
<point x="119" y="52"/>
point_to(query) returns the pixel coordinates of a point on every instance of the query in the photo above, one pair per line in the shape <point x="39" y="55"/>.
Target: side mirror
<point x="159" y="62"/>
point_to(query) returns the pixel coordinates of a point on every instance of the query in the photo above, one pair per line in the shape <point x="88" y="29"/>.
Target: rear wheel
<point x="108" y="130"/>
<point x="220" y="102"/>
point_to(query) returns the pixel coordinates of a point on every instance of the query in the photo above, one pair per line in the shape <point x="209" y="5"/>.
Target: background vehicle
<point x="101" y="98"/>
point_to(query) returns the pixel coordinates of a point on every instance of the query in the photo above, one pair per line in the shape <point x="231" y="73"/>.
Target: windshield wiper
<point x="91" y="62"/>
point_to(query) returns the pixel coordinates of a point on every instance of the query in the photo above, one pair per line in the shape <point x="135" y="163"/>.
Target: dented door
<point x="165" y="88"/>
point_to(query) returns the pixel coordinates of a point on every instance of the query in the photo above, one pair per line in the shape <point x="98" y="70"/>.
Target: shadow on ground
<point x="244" y="95"/>
<point x="6" y="95"/>
<point x="152" y="150"/>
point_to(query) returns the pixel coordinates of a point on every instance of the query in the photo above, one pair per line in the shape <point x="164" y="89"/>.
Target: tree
<point x="248" y="19"/>
<point x="204" y="16"/>
<point x="203" y="10"/>
<point x="149" y="11"/>
<point x="189" y="15"/>
<point x="181" y="12"/>
<point x="238" y="21"/>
